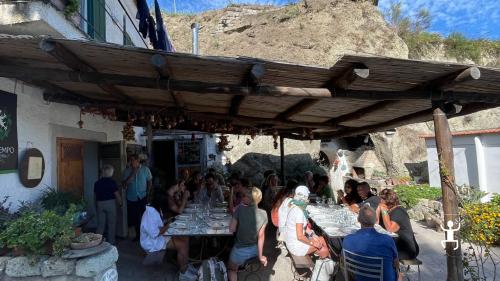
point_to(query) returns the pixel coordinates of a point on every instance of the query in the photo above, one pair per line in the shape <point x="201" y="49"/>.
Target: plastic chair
<point x="359" y="265"/>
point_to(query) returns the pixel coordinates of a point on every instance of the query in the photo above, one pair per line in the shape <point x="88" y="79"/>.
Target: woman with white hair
<point x="299" y="239"/>
<point x="106" y="196"/>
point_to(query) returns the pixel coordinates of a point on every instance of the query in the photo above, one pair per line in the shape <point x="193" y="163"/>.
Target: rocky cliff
<point x="316" y="32"/>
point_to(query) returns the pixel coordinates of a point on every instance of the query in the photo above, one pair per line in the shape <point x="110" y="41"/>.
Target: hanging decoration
<point x="80" y="123"/>
<point x="275" y="138"/>
<point x="223" y="144"/>
<point x="248" y="142"/>
<point x="106" y="113"/>
<point x="128" y="130"/>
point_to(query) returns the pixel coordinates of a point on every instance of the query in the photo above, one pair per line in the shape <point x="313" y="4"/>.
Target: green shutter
<point x="96" y="18"/>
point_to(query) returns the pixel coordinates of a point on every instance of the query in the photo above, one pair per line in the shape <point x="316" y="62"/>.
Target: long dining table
<point x="201" y="220"/>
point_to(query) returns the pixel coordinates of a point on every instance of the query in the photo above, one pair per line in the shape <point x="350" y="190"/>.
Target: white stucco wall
<point x="114" y="24"/>
<point x="39" y="123"/>
<point x="465" y="161"/>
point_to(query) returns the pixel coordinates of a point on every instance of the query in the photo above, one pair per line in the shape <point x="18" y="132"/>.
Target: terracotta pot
<point x="78" y="231"/>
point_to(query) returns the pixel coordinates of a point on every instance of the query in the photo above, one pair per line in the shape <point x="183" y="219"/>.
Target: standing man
<point x="309" y="181"/>
<point x="137" y="181"/>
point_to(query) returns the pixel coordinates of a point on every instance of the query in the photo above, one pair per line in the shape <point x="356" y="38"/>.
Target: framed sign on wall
<point x="8" y="133"/>
<point x="32" y="168"/>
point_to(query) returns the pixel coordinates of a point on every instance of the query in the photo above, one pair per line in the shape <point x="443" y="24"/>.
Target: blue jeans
<point x="239" y="256"/>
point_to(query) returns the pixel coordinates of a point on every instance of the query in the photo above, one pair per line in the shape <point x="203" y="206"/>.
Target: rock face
<point x="322" y="31"/>
<point x="56" y="266"/>
<point x="429" y="211"/>
<point x="23" y="267"/>
<point x="89" y="267"/>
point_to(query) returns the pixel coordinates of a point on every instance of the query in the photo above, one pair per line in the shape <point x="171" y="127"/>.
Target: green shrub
<point x="33" y="232"/>
<point x="409" y="194"/>
<point x="60" y="202"/>
<point x="496" y="200"/>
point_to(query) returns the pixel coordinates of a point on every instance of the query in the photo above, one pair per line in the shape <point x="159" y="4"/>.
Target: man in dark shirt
<point x="106" y="196"/>
<point x="366" y="196"/>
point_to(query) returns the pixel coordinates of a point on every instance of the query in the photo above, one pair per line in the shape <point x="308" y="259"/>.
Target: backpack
<point x="212" y="270"/>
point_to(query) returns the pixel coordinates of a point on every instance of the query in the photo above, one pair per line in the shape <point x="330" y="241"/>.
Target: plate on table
<point x="178" y="224"/>
<point x="220" y="216"/>
<point x="219" y="210"/>
<point x="194" y="205"/>
<point x="183" y="217"/>
<point x="190" y="211"/>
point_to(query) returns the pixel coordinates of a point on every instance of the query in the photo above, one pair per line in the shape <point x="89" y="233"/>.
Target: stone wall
<point x="101" y="267"/>
<point x="429" y="211"/>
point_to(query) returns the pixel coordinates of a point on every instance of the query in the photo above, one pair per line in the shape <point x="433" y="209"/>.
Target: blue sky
<point x="474" y="18"/>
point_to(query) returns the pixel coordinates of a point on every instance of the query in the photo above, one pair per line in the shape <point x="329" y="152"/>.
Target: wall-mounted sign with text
<point x="8" y="132"/>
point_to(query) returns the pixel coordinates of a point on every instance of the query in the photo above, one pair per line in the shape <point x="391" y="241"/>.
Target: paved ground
<point x="279" y="268"/>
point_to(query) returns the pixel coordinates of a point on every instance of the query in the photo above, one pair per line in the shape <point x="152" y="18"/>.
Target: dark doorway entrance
<point x="164" y="161"/>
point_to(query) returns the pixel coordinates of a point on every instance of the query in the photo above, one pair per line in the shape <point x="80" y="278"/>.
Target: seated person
<point x="236" y="193"/>
<point x="177" y="197"/>
<point x="270" y="192"/>
<point x="194" y="185"/>
<point x="350" y="195"/>
<point x="218" y="177"/>
<point x="249" y="222"/>
<point x="395" y="219"/>
<point x="368" y="242"/>
<point x="366" y="196"/>
<point x="279" y="211"/>
<point x="210" y="193"/>
<point x="322" y="188"/>
<point x="153" y="241"/>
<point x="299" y="239"/>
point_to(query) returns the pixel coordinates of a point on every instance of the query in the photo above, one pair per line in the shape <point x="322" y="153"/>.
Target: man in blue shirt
<point x="368" y="242"/>
<point x="137" y="180"/>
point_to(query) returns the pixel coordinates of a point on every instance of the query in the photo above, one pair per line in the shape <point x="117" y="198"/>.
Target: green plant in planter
<point x="33" y="232"/>
<point x="60" y="202"/>
<point x="72" y="6"/>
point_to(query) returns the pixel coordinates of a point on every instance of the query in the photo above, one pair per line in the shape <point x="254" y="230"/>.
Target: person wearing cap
<point x="299" y="240"/>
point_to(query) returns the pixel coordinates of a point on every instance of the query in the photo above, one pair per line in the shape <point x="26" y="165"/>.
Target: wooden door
<point x="70" y="166"/>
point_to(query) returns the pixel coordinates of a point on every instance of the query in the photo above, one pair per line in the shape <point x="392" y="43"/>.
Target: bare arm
<point x="354" y="208"/>
<point x="233" y="225"/>
<point x="260" y="245"/>
<point x="174" y="207"/>
<point x="302" y="238"/>
<point x="129" y="178"/>
<point x="391" y="226"/>
<point x="118" y="197"/>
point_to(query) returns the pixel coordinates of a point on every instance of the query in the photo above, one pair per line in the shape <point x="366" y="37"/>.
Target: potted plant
<point x="40" y="233"/>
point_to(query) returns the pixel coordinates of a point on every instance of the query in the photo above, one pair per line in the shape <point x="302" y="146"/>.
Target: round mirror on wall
<point x="31" y="168"/>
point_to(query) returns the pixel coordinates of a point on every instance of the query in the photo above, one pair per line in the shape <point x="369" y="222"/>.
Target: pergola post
<point x="149" y="140"/>
<point x="450" y="201"/>
<point x="282" y="160"/>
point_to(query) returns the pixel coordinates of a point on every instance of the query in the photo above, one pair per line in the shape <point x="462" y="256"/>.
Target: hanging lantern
<point x="248" y="142"/>
<point x="275" y="143"/>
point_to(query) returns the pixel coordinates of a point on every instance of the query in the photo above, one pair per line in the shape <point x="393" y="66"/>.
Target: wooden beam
<point x="71" y="60"/>
<point x="448" y="81"/>
<point x="236" y="102"/>
<point x="162" y="68"/>
<point x="361" y="112"/>
<point x="57" y="75"/>
<point x="255" y="121"/>
<point x="64" y="98"/>
<point x="444" y="148"/>
<point x="353" y="74"/>
<point x="296" y="109"/>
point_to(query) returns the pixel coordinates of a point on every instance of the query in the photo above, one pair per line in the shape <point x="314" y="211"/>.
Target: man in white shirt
<point x="155" y="243"/>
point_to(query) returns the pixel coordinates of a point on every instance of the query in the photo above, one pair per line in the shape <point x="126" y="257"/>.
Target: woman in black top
<point x="350" y="195"/>
<point x="394" y="218"/>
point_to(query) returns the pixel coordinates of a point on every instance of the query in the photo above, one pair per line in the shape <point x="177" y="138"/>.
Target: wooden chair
<point x="359" y="265"/>
<point x="302" y="266"/>
<point x="408" y="264"/>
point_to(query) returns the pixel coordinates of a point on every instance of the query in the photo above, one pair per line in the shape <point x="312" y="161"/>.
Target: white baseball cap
<point x="302" y="190"/>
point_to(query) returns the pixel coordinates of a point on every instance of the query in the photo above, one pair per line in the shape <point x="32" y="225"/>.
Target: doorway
<point x="164" y="161"/>
<point x="70" y="166"/>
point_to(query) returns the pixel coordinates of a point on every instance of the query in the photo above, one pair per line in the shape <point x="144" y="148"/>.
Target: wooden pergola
<point x="357" y="95"/>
